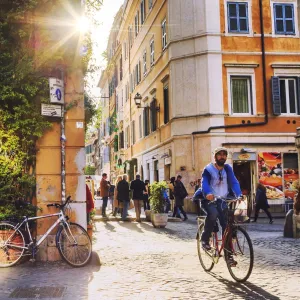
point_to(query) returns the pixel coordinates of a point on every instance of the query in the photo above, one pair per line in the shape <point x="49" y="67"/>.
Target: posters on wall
<point x="271" y="174"/>
<point x="291" y="174"/>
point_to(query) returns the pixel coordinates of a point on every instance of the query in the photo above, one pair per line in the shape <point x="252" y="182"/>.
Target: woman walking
<point x="261" y="202"/>
<point x="116" y="203"/>
<point x="146" y="196"/>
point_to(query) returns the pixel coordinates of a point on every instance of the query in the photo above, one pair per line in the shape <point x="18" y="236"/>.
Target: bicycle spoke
<point x="12" y="245"/>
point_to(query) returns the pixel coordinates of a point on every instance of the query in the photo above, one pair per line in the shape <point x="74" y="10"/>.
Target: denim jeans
<point x="125" y="210"/>
<point x="214" y="211"/>
<point x="104" y="205"/>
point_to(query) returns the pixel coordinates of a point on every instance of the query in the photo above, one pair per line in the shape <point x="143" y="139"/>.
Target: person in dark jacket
<point x="179" y="193"/>
<point x="123" y="195"/>
<point x="196" y="200"/>
<point x="261" y="202"/>
<point x="138" y="188"/>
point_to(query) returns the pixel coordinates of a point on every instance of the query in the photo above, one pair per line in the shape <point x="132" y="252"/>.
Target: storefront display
<point x="270" y="174"/>
<point x="291" y="174"/>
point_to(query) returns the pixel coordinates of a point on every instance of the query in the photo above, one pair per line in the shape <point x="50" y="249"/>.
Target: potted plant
<point x="157" y="203"/>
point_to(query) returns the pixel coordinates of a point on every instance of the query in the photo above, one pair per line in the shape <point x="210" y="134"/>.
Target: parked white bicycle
<point x="72" y="240"/>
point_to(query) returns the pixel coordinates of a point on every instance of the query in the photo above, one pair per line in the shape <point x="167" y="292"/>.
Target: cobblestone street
<point x="141" y="262"/>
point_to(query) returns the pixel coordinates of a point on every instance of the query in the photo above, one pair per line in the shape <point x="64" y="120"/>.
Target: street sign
<point x="51" y="110"/>
<point x="56" y="90"/>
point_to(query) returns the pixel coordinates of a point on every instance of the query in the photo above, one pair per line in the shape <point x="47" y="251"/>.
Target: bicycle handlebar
<point x="61" y="206"/>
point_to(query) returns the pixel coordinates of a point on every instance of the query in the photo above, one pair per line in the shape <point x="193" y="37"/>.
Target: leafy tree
<point x="33" y="47"/>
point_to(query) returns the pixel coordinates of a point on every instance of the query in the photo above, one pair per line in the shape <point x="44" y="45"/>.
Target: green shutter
<point x="276" y="102"/>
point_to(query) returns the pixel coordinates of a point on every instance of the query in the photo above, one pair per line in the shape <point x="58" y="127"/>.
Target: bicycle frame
<point x="61" y="219"/>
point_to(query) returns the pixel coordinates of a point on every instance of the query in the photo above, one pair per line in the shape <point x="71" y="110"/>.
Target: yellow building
<point x="208" y="73"/>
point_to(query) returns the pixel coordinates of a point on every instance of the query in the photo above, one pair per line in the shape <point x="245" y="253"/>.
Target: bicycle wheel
<point x="239" y="248"/>
<point x="12" y="245"/>
<point x="204" y="256"/>
<point x="74" y="244"/>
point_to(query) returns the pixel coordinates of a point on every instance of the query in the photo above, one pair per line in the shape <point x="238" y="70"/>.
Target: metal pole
<point x="63" y="148"/>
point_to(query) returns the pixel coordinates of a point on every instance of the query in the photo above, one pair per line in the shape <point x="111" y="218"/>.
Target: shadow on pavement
<point x="245" y="290"/>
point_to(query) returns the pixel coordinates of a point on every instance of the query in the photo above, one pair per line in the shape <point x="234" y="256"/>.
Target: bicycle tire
<point x="205" y="260"/>
<point x="76" y="254"/>
<point x="238" y="250"/>
<point x="9" y="254"/>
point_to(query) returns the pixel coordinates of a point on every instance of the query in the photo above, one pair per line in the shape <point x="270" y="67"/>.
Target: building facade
<point x="208" y="73"/>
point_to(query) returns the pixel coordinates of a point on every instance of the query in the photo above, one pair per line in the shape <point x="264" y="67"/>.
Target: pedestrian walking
<point x="172" y="198"/>
<point x="261" y="202"/>
<point x="146" y="195"/>
<point x="138" y="188"/>
<point x="123" y="195"/>
<point x="116" y="204"/>
<point x="179" y="193"/>
<point x="104" y="191"/>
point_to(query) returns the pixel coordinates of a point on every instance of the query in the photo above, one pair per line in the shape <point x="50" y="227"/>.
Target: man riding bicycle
<point x="218" y="180"/>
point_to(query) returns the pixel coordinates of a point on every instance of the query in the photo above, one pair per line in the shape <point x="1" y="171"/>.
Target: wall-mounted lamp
<point x="138" y="100"/>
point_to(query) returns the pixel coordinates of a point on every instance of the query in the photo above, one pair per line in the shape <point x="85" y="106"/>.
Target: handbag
<point x="240" y="212"/>
<point x="131" y="204"/>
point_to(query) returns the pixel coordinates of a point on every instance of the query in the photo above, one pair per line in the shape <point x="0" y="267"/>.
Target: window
<point x="166" y="104"/>
<point x="146" y="120"/>
<point x="127" y="137"/>
<point x="288" y="95"/>
<point x="241" y="97"/>
<point x="237" y="13"/>
<point x="284" y="22"/>
<point x="145" y="62"/>
<point x="152" y="52"/>
<point x="164" y="33"/>
<point x="121" y="69"/>
<point x="140" y="127"/>
<point x="136" y="23"/>
<point x="150" y="3"/>
<point x="153" y="114"/>
<point x="137" y="73"/>
<point x="143" y="11"/>
<point x="130" y="41"/>
<point x="133" y="132"/>
<point x="121" y="140"/>
<point x="125" y="50"/>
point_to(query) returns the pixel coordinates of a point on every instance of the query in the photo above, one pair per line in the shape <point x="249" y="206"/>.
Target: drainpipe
<point x="264" y="88"/>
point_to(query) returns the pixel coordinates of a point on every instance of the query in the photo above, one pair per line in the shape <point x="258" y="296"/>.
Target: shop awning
<point x="247" y="156"/>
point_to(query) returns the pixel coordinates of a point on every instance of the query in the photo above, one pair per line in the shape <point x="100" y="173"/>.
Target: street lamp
<point x="138" y="100"/>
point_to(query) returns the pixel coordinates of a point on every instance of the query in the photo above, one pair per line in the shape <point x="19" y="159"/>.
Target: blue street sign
<point x="58" y="94"/>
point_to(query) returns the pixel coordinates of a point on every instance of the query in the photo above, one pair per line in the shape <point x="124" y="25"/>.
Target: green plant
<point x="157" y="201"/>
<point x="89" y="170"/>
<point x="9" y="210"/>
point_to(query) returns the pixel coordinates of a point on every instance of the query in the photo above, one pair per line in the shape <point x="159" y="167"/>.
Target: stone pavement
<point x="142" y="262"/>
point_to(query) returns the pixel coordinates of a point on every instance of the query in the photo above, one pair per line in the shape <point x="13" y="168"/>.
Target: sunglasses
<point x="220" y="176"/>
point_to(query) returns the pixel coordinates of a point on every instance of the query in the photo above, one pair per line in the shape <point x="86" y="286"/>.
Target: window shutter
<point x="166" y="104"/>
<point x="298" y="95"/>
<point x="276" y="96"/>
<point x="145" y="122"/>
<point x="153" y="115"/>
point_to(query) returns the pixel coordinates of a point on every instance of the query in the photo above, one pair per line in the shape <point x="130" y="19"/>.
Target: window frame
<point x="143" y="11"/>
<point x="287" y="96"/>
<point x="164" y="40"/>
<point x="284" y="19"/>
<point x="295" y="11"/>
<point x="137" y="23"/>
<point x="243" y="73"/>
<point x="152" y="52"/>
<point x="238" y="18"/>
<point x="145" y="62"/>
<point x="249" y="14"/>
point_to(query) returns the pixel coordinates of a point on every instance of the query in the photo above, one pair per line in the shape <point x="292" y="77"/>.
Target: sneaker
<point x="185" y="218"/>
<point x="205" y="246"/>
<point x="271" y="222"/>
<point x="231" y="261"/>
<point x="253" y="221"/>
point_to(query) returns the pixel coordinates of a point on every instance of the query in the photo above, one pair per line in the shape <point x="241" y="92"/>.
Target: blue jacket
<point x="233" y="184"/>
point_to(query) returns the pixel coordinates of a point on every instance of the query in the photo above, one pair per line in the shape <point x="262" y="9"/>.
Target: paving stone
<point x="142" y="262"/>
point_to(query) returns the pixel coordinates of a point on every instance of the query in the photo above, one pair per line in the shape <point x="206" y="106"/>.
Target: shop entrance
<point x="244" y="172"/>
